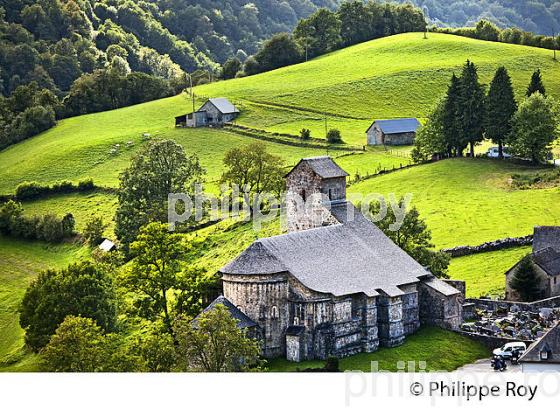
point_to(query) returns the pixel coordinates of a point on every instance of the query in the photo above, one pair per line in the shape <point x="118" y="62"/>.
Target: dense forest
<point x="537" y="16"/>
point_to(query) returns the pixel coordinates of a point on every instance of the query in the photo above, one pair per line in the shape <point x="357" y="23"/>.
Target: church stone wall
<point x="390" y="320"/>
<point x="264" y="298"/>
<point x="437" y="309"/>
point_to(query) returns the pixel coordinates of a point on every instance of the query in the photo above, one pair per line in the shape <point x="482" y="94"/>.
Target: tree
<point x="231" y="67"/>
<point x="525" y="280"/>
<point x="281" y="50"/>
<point x="161" y="168"/>
<point x="485" y="30"/>
<point x="254" y="171"/>
<point x="157" y="274"/>
<point x="500" y="109"/>
<point x="319" y="33"/>
<point x="333" y="136"/>
<point x="215" y="344"/>
<point x="536" y="84"/>
<point x="93" y="231"/>
<point x="413" y="237"/>
<point x="77" y="346"/>
<point x="471" y="103"/>
<point x="80" y="290"/>
<point x="451" y="119"/>
<point x="535" y="127"/>
<point x="430" y="139"/>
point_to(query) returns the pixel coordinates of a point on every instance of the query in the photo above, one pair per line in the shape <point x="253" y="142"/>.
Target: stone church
<point x="334" y="285"/>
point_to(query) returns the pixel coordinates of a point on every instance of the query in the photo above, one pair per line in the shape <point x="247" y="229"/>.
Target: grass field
<point x="468" y="202"/>
<point x="20" y="261"/>
<point x="485" y="272"/>
<point x="396" y="76"/>
<point x="439" y="349"/>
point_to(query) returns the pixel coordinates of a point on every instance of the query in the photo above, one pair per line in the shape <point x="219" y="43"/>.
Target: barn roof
<point x="224" y="105"/>
<point x="550" y="343"/>
<point x="342" y="259"/>
<point x="243" y="320"/>
<point x="397" y="126"/>
<point x="323" y="166"/>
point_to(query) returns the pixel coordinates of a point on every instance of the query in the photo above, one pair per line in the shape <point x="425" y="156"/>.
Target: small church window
<point x="296" y="321"/>
<point x="303" y="195"/>
<point x="330" y="194"/>
<point x="274" y="312"/>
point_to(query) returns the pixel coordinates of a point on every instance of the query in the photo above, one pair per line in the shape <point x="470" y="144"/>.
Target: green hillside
<point x="464" y="201"/>
<point x="396" y="76"/>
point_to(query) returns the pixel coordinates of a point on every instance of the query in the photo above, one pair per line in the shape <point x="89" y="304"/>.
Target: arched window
<point x="296" y="321"/>
<point x="274" y="312"/>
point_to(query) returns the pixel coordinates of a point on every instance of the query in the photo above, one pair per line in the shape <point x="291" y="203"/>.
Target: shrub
<point x="93" y="231"/>
<point x="305" y="134"/>
<point x="86" y="185"/>
<point x="30" y="190"/>
<point x="333" y="136"/>
<point x="63" y="187"/>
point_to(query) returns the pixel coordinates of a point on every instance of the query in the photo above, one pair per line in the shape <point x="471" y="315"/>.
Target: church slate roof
<point x="243" y="321"/>
<point x="343" y="259"/>
<point x="546" y="237"/>
<point x="325" y="167"/>
<point x="549" y="260"/>
<point x="549" y="342"/>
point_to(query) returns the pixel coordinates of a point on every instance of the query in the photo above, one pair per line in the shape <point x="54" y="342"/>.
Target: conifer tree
<point x="471" y="105"/>
<point x="451" y="121"/>
<point x="525" y="280"/>
<point x="500" y="109"/>
<point x="536" y="84"/>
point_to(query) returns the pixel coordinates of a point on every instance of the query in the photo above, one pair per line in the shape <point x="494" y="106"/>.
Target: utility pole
<point x="192" y="92"/>
<point x="554" y="44"/>
<point x="326" y="126"/>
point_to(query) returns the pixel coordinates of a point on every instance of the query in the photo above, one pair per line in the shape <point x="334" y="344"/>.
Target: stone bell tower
<point x="312" y="186"/>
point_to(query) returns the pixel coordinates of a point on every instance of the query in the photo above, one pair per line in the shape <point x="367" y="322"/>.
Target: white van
<point x="506" y="350"/>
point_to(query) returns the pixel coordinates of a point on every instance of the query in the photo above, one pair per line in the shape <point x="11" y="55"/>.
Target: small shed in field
<point x="214" y="112"/>
<point x="401" y="131"/>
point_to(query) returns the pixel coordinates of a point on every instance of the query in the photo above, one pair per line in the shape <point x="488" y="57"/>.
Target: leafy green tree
<point x="78" y="345"/>
<point x="253" y="170"/>
<point x="500" y="109"/>
<point x="160" y="168"/>
<point x="485" y="30"/>
<point x="525" y="280"/>
<point x="535" y="128"/>
<point x="281" y="50"/>
<point x="536" y="85"/>
<point x="80" y="290"/>
<point x="215" y="344"/>
<point x="430" y="139"/>
<point x="231" y="67"/>
<point x="471" y="103"/>
<point x="93" y="231"/>
<point x="413" y="237"/>
<point x="319" y="33"/>
<point x="158" y="275"/>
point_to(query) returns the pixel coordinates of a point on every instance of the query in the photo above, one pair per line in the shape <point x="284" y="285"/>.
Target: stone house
<point x="334" y="284"/>
<point x="546" y="261"/>
<point x="400" y="131"/>
<point x="544" y="354"/>
<point x="214" y="112"/>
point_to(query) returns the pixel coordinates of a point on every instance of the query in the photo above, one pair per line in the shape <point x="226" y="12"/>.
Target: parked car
<point x="507" y="350"/>
<point x="494" y="152"/>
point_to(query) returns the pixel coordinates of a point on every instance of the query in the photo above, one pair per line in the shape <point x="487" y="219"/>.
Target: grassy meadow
<point x="465" y="202"/>
<point x="20" y="262"/>
<point x="485" y="272"/>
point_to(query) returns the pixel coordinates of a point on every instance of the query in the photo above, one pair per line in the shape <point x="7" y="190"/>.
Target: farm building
<point x="546" y="261"/>
<point x="215" y="111"/>
<point x="335" y="284"/>
<point x="400" y="131"/>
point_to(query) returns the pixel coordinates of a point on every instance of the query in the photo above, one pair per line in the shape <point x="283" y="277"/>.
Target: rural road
<point x="483" y="366"/>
